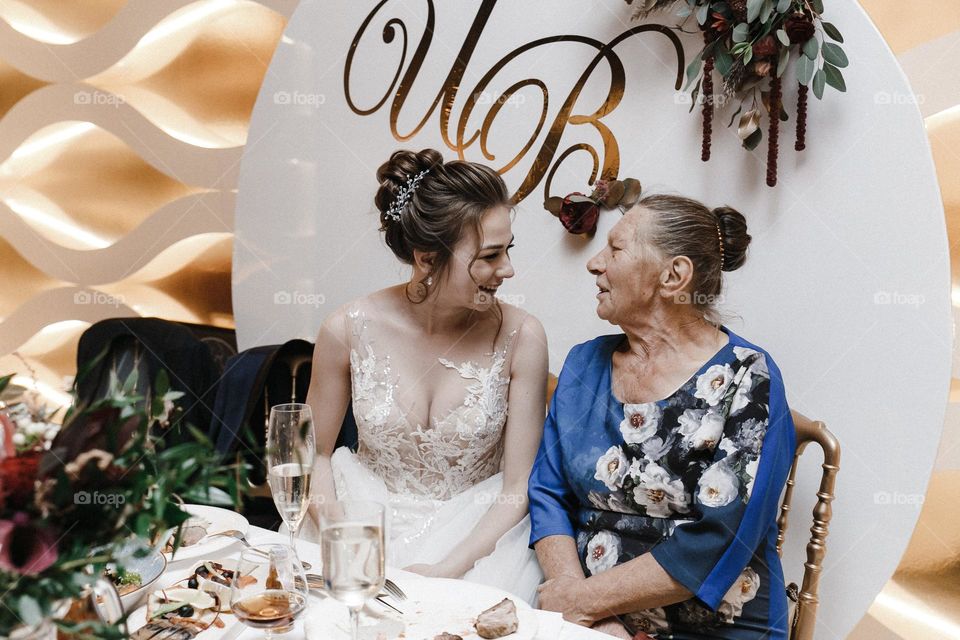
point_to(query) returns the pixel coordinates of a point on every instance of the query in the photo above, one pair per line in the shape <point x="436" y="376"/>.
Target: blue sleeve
<point x="708" y="554"/>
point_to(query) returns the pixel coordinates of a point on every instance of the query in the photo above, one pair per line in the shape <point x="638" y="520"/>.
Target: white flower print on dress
<point x="713" y="383"/>
<point x="743" y="590"/>
<point x="655" y="448"/>
<point x="603" y="551"/>
<point x="727" y="446"/>
<point x="742" y="396"/>
<point x="718" y="485"/>
<point x="751" y="471"/>
<point x="640" y="422"/>
<point x="703" y="433"/>
<point x="612" y="468"/>
<point x="660" y="493"/>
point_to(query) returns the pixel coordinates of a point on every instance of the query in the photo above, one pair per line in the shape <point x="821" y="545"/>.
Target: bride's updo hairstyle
<point x="715" y="240"/>
<point x="449" y="198"/>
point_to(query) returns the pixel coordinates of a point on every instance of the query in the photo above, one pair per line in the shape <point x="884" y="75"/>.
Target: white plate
<point x="210" y="546"/>
<point x="434" y="605"/>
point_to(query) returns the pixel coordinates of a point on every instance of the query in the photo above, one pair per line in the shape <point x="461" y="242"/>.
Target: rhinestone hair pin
<point x="403" y="196"/>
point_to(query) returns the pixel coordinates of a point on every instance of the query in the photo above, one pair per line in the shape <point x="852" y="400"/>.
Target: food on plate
<point x="447" y="636"/>
<point x="498" y="621"/>
<point x="125" y="581"/>
<point x="166" y="630"/>
<point x="192" y="531"/>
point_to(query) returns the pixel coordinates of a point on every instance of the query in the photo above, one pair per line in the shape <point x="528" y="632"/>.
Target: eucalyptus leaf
<point x="834" y="77"/>
<point x="817" y="6"/>
<point x="683" y="12"/>
<point x="693" y="70"/>
<point x="783" y="37"/>
<point x="833" y="53"/>
<point x="753" y="141"/>
<point x="783" y="5"/>
<point x="766" y="10"/>
<point x="753" y="9"/>
<point x="819" y="82"/>
<point x="805" y="69"/>
<point x="741" y="32"/>
<point x="30" y="610"/>
<point x="811" y="48"/>
<point x="832" y="31"/>
<point x="783" y="61"/>
<point x="747" y="55"/>
<point x="702" y="12"/>
<point x="723" y="63"/>
<point x="749" y="124"/>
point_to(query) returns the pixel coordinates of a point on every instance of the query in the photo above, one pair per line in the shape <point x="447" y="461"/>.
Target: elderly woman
<point x="655" y="491"/>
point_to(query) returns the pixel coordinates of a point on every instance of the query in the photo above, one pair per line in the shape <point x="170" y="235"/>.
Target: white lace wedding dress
<point x="437" y="481"/>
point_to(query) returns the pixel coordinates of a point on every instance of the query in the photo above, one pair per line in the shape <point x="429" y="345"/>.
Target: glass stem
<point x="354" y="623"/>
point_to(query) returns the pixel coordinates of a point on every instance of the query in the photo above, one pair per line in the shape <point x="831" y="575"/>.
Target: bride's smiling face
<point x="479" y="265"/>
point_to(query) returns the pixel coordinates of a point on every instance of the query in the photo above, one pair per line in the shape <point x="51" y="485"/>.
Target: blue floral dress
<point x="695" y="479"/>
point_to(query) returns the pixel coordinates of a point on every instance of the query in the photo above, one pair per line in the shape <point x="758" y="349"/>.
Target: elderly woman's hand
<point x="568" y="595"/>
<point x="612" y="627"/>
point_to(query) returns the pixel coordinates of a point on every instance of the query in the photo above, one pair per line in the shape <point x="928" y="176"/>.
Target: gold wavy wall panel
<point x="122" y="124"/>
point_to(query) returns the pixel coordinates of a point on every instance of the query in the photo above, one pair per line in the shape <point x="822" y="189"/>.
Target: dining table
<point x="550" y="625"/>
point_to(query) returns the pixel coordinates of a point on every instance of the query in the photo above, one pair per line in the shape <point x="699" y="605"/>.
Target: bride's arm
<point x="328" y="397"/>
<point x="526" y="402"/>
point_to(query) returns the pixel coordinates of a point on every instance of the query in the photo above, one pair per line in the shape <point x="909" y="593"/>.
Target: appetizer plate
<point x="433" y="605"/>
<point x="209" y="546"/>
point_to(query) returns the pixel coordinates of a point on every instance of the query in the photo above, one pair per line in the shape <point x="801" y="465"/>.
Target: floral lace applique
<point x="455" y="452"/>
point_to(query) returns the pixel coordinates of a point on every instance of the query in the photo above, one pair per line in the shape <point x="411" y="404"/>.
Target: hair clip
<point x="404" y="195"/>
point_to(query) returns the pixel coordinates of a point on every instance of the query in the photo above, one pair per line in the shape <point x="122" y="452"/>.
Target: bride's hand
<point x="431" y="570"/>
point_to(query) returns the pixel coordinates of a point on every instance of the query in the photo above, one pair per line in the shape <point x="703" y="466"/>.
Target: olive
<point x="192" y="583"/>
<point x="185" y="611"/>
<point x="202" y="571"/>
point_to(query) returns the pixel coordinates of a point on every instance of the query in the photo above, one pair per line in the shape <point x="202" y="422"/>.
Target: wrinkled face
<point x="475" y="270"/>
<point x="628" y="269"/>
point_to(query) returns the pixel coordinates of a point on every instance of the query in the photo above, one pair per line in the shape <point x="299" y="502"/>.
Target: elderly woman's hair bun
<point x="733" y="236"/>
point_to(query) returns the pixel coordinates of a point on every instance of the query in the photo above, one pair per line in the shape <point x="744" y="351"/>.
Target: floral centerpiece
<point x="107" y="478"/>
<point x="751" y="44"/>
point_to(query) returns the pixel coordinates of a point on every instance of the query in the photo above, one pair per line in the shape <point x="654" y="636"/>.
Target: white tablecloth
<point x="551" y="625"/>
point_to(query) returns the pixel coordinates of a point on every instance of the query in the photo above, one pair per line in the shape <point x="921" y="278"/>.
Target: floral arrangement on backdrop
<point x="751" y="44"/>
<point x="69" y="505"/>
<point x="579" y="213"/>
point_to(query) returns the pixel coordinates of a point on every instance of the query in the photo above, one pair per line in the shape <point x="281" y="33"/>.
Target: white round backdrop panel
<point x="847" y="281"/>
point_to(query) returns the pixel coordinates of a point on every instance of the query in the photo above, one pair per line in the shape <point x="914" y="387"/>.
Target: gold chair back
<point x="806" y="596"/>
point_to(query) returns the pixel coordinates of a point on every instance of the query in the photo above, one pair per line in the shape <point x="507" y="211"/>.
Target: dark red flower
<point x="799" y="28"/>
<point x="24" y="547"/>
<point x="579" y="214"/>
<point x="720" y="25"/>
<point x="765" y="46"/>
<point x="17" y="477"/>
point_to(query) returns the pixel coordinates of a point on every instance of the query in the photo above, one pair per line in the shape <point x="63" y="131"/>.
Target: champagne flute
<point x="352" y="547"/>
<point x="291" y="447"/>
<point x="269" y="588"/>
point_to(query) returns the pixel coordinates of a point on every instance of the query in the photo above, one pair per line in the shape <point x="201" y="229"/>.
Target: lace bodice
<point x="455" y="451"/>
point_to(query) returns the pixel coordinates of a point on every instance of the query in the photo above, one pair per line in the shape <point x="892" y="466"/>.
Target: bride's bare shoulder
<point x="520" y="320"/>
<point x="381" y="304"/>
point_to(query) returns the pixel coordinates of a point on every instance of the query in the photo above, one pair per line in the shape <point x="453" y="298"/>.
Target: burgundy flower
<point x="799" y="28"/>
<point x="25" y="548"/>
<point x="17" y="477"/>
<point x="720" y="24"/>
<point x="579" y="214"/>
<point x="766" y="46"/>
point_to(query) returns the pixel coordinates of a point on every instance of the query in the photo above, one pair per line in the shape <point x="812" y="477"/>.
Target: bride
<point x="447" y="383"/>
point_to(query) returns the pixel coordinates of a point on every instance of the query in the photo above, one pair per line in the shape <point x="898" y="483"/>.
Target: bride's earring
<point x="429" y="281"/>
<point x="420" y="290"/>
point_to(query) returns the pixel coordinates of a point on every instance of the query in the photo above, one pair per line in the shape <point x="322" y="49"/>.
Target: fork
<point x="392" y="588"/>
<point x="315" y="581"/>
<point x="238" y="535"/>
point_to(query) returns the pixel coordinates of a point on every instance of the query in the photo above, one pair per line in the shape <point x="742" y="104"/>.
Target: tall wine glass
<point x="352" y="546"/>
<point x="291" y="447"/>
<point x="268" y="589"/>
